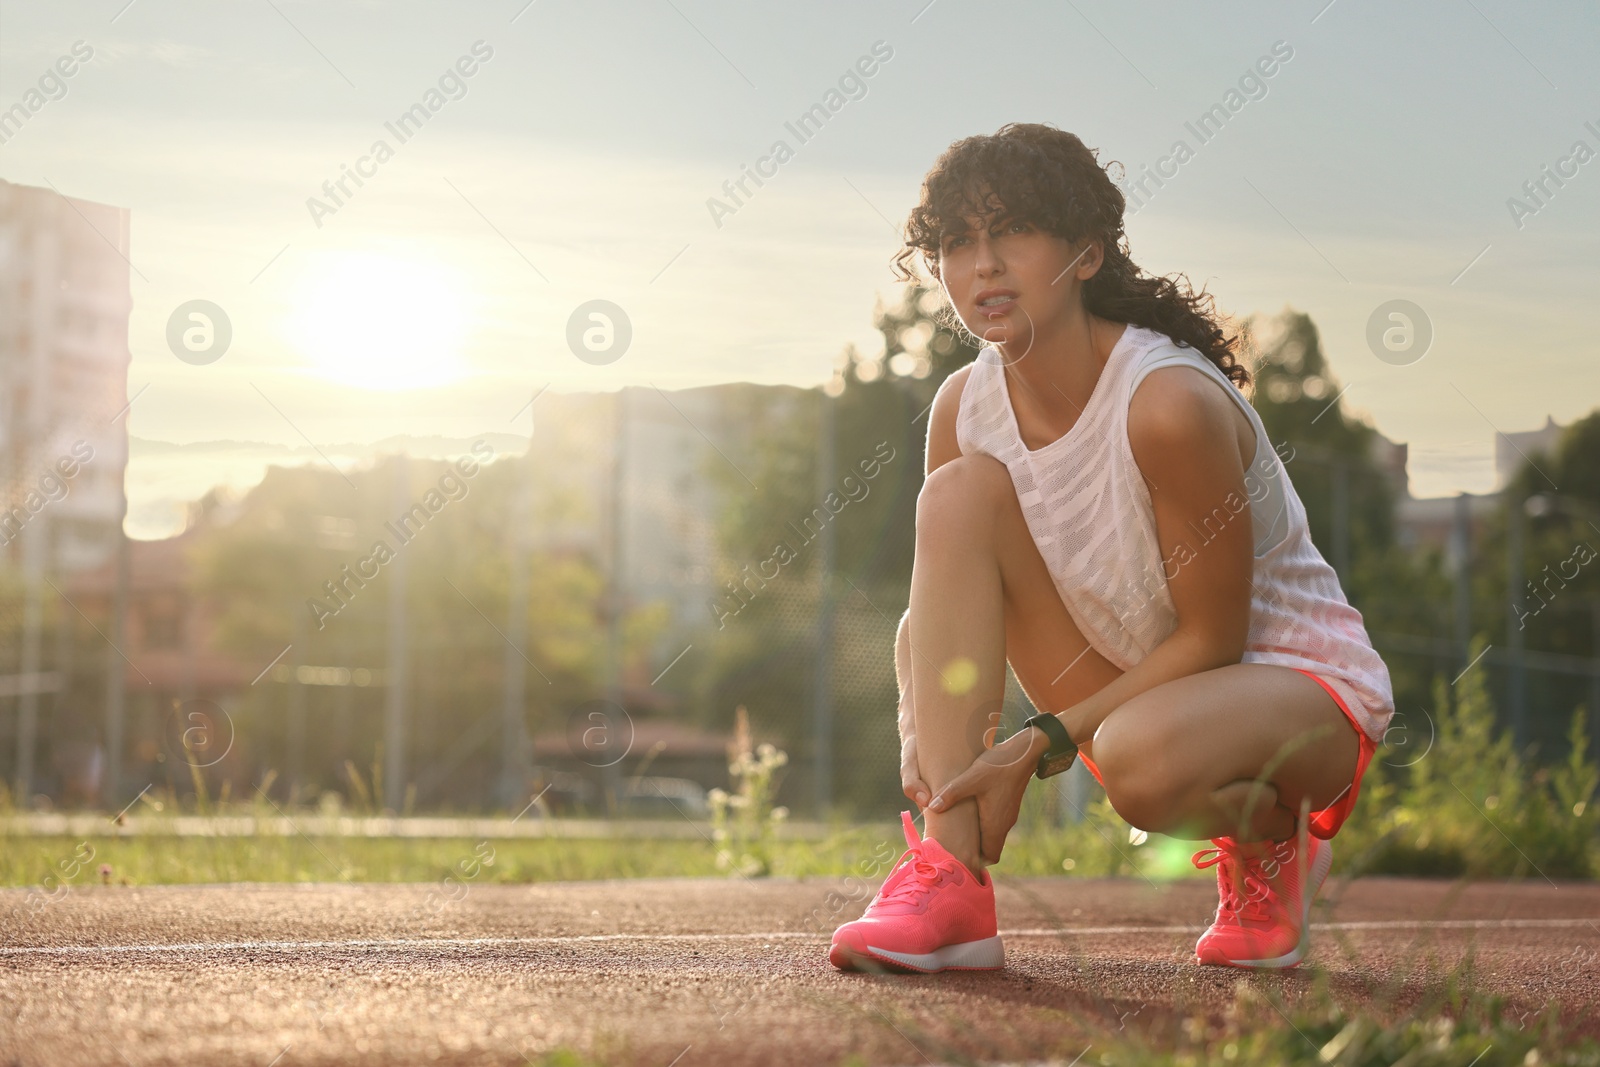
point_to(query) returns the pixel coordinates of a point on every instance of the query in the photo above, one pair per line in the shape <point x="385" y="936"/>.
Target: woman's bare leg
<point x="1230" y="752"/>
<point x="1233" y="751"/>
<point x="978" y="590"/>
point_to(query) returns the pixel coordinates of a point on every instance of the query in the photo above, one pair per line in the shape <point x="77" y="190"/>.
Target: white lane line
<point x="414" y="942"/>
<point x="771" y="935"/>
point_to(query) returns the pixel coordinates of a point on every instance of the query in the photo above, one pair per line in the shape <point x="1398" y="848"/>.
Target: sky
<point x="578" y="160"/>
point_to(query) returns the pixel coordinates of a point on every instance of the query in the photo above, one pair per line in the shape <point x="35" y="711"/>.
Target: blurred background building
<point x="64" y="306"/>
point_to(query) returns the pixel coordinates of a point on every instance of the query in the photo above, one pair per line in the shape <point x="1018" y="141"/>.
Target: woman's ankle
<point x="961" y="842"/>
<point x="973" y="862"/>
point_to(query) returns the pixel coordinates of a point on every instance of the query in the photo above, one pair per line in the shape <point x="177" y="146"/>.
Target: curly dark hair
<point x="1036" y="173"/>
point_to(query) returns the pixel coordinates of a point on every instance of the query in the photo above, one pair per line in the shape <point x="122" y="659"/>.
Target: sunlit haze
<point x="596" y="151"/>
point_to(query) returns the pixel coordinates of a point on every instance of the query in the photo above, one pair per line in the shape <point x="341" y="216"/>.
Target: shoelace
<point x="1256" y="870"/>
<point x="919" y="876"/>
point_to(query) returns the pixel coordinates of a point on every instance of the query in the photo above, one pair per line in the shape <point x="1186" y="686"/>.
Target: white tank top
<point x="1089" y="511"/>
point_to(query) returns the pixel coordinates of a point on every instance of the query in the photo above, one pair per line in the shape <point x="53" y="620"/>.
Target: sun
<point x="379" y="321"/>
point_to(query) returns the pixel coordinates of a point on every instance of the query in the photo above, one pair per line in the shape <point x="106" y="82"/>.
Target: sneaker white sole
<point x="987" y="954"/>
<point x="1314" y="880"/>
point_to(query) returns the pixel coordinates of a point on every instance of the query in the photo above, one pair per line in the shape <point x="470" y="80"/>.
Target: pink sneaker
<point x="930" y="914"/>
<point x="1264" y="907"/>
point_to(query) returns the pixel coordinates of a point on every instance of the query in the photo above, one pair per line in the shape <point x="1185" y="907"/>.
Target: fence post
<point x="1516" y="680"/>
<point x="394" y="717"/>
<point x="1461" y="550"/>
<point x="822" y="690"/>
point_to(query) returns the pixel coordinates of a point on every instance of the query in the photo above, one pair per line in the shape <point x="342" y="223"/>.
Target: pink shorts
<point x="1324" y="823"/>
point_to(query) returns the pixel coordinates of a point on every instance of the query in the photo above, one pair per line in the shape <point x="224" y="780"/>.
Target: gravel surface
<point x="704" y="972"/>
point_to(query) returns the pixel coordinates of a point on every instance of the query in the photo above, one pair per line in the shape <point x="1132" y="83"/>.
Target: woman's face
<point x="1009" y="281"/>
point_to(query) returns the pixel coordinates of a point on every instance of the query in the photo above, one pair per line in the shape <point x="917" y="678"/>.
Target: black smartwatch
<point x="1063" y="749"/>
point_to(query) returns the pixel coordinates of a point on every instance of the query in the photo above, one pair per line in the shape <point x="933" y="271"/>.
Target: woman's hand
<point x="997" y="779"/>
<point x="911" y="776"/>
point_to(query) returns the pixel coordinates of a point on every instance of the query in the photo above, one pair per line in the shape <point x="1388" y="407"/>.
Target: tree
<point x="278" y="566"/>
<point x="1294" y="393"/>
<point x="765" y="642"/>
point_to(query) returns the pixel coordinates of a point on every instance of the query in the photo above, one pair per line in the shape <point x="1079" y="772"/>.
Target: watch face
<point x="1052" y="765"/>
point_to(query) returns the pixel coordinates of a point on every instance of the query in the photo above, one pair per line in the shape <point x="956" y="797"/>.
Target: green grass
<point x="1460" y="801"/>
<point x="152" y="860"/>
<point x="167" y="860"/>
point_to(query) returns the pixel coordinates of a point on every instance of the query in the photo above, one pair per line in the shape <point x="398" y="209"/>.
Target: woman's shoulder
<point x="1180" y="406"/>
<point x="1173" y="393"/>
<point x="1168" y="383"/>
<point x="954" y="388"/>
<point x="955" y="382"/>
<point x="1153" y="357"/>
<point x="1148" y="345"/>
<point x="944" y="442"/>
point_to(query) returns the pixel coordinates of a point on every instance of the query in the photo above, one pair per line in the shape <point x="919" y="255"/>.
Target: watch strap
<point x="1062" y="751"/>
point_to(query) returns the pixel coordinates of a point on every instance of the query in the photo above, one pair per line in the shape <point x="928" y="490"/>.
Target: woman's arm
<point x="1186" y="438"/>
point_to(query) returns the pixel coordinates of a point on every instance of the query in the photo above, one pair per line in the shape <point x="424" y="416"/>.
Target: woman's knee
<point x="1136" y="769"/>
<point x="964" y="490"/>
